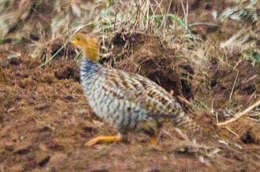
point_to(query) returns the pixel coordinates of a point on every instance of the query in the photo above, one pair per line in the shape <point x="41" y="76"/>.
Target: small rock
<point x="4" y="63"/>
<point x="9" y="146"/>
<point x="64" y="73"/>
<point x="22" y="150"/>
<point x="68" y="97"/>
<point x="30" y="101"/>
<point x="82" y="111"/>
<point x="42" y="106"/>
<point x="15" y="61"/>
<point x="57" y="158"/>
<point x="100" y="170"/>
<point x="21" y="138"/>
<point x="44" y="161"/>
<point x="251" y="136"/>
<point x="42" y="158"/>
<point x="47" y="78"/>
<point x="67" y="72"/>
<point x="55" y="145"/>
<point x="153" y="170"/>
<point x="89" y="129"/>
<point x="187" y="150"/>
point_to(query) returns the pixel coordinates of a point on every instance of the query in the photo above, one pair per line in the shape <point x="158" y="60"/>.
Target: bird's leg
<point x="104" y="139"/>
<point x="153" y="140"/>
<point x="151" y="128"/>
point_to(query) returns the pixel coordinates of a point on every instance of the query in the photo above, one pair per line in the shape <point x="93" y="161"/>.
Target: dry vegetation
<point x="206" y="52"/>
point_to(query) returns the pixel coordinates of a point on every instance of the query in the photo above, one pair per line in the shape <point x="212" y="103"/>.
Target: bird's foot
<point x="153" y="141"/>
<point x="154" y="145"/>
<point x="104" y="139"/>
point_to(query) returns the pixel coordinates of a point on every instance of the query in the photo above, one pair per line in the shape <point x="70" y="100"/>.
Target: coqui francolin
<point x="127" y="101"/>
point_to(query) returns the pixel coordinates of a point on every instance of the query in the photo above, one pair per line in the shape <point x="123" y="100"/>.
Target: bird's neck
<point x="88" y="68"/>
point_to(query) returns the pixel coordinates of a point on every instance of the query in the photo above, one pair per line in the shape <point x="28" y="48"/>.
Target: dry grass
<point x="211" y="62"/>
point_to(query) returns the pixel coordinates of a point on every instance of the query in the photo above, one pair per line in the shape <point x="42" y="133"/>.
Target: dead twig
<point x="231" y="131"/>
<point x="182" y="99"/>
<point x="234" y="84"/>
<point x="240" y="114"/>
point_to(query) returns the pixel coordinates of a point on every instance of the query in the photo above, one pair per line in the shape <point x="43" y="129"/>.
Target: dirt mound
<point x="45" y="119"/>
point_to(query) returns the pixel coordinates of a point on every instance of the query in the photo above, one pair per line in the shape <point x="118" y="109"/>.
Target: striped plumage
<point x="127" y="101"/>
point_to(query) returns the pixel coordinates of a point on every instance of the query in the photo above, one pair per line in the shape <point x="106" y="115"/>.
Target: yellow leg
<point x="105" y="139"/>
<point x="153" y="141"/>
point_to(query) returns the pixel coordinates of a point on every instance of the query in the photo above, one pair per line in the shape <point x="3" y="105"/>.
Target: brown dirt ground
<point x="45" y="119"/>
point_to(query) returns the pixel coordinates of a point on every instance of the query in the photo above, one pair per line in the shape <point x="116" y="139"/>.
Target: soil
<point x="45" y="119"/>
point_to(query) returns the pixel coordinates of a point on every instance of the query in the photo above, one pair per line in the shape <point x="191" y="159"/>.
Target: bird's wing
<point x="141" y="91"/>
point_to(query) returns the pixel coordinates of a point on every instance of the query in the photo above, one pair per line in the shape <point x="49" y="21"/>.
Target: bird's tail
<point x="181" y="120"/>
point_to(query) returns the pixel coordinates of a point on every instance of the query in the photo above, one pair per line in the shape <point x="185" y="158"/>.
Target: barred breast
<point x="124" y="99"/>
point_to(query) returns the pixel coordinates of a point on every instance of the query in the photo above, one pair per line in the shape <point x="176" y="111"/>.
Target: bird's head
<point x="88" y="44"/>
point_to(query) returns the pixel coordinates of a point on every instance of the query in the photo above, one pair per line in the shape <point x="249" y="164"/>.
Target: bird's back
<point x="123" y="98"/>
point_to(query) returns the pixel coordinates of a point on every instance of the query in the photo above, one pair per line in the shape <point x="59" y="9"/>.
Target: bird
<point x="129" y="102"/>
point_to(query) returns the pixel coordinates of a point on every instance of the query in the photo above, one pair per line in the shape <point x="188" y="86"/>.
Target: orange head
<point x="88" y="44"/>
